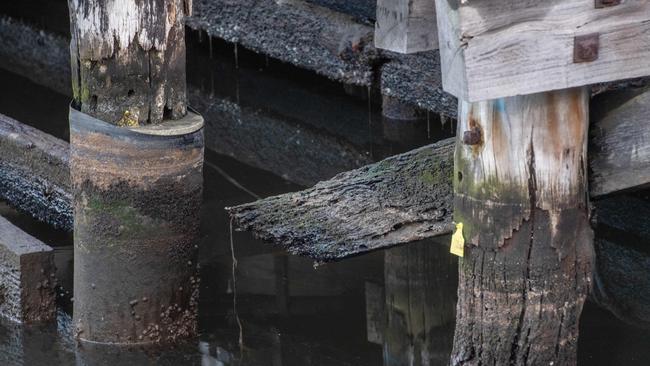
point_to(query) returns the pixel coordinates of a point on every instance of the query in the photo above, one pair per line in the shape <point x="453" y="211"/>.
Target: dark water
<point x="390" y="307"/>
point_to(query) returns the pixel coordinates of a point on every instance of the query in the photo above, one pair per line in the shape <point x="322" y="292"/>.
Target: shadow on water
<point x="393" y="307"/>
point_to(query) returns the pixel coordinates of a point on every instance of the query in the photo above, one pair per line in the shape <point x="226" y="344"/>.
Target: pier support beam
<point x="520" y="191"/>
<point x="136" y="156"/>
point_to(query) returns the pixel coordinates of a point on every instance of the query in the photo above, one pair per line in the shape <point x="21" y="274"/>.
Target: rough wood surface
<point x="128" y="57"/>
<point x="331" y="136"/>
<point x="498" y="49"/>
<point x="360" y="210"/>
<point x="330" y="43"/>
<point x="536" y="137"/>
<point x="34" y="173"/>
<point x="26" y="276"/>
<point x="621" y="280"/>
<point x="520" y="193"/>
<point x="406" y="26"/>
<point x="620" y="143"/>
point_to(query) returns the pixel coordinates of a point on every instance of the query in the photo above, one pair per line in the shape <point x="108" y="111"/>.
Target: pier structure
<point x="549" y="125"/>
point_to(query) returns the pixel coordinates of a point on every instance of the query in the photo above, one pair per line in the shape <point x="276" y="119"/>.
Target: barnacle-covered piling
<point x="137" y="194"/>
<point x="136" y="158"/>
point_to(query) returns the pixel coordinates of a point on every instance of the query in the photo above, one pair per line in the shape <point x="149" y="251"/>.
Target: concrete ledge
<point x="27" y="276"/>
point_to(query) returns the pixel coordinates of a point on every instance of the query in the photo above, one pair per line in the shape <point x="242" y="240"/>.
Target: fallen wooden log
<point x="398" y="200"/>
<point x="27" y="276"/>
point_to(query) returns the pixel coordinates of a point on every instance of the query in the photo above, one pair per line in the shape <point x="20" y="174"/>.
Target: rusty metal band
<point x="137" y="195"/>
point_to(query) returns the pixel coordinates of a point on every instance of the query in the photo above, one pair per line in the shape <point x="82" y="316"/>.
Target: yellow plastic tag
<point x="457" y="241"/>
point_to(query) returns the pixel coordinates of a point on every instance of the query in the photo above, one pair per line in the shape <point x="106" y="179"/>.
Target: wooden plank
<point x="400" y="199"/>
<point x="329" y="43"/>
<point x="34" y="173"/>
<point x="620" y="144"/>
<point x="406" y="26"/>
<point x="492" y="49"/>
<point x="27" y="276"/>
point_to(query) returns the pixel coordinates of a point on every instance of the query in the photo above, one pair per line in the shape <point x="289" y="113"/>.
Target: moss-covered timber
<point x="400" y="199"/>
<point x="521" y="194"/>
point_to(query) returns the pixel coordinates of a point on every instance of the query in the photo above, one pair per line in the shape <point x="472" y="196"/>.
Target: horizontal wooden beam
<point x="27" y="276"/>
<point x="34" y="173"/>
<point x="494" y="49"/>
<point x="310" y="222"/>
<point x="331" y="43"/>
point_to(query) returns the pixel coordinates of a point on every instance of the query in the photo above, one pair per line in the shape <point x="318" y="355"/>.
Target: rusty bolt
<point x="585" y="48"/>
<point x="606" y="3"/>
<point x="472" y="137"/>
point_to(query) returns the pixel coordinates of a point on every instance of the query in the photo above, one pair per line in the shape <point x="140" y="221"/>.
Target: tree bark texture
<point x="128" y="59"/>
<point x="521" y="193"/>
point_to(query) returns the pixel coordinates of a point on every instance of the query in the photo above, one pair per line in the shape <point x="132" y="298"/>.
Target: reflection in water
<point x="413" y="315"/>
<point x="394" y="307"/>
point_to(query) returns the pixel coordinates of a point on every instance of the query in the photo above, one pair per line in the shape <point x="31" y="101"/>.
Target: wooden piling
<point x="520" y="192"/>
<point x="136" y="156"/>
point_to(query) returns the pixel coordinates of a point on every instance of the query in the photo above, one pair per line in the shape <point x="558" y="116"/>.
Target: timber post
<point x="136" y="156"/>
<point x="520" y="193"/>
<point x="520" y="179"/>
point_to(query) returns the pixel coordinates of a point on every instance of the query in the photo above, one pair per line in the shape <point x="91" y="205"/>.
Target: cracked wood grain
<point x="128" y="59"/>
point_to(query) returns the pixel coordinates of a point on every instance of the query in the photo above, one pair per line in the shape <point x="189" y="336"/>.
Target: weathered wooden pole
<point x="136" y="157"/>
<point x="521" y="194"/>
<point x="128" y="59"/>
<point x="520" y="179"/>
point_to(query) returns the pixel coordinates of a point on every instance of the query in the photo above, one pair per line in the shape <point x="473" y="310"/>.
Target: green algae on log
<point x="521" y="194"/>
<point x="398" y="200"/>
